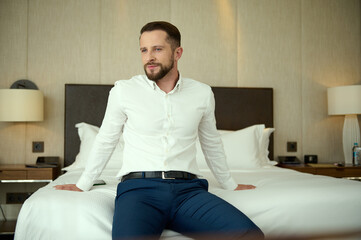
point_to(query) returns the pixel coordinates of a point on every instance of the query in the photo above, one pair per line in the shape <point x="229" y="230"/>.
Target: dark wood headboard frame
<point x="236" y="108"/>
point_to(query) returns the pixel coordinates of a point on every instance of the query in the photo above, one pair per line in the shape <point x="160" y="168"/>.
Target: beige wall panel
<point x="13" y="64"/>
<point x="269" y="55"/>
<point x="121" y="23"/>
<point x="331" y="57"/>
<point x="64" y="47"/>
<point x="13" y="41"/>
<point x="209" y="39"/>
<point x="12" y="146"/>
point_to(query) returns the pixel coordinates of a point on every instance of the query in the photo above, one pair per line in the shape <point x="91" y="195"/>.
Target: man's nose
<point x="150" y="56"/>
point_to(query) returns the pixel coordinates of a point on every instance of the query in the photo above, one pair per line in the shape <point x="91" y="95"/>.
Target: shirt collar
<point x="151" y="83"/>
<point x="177" y="86"/>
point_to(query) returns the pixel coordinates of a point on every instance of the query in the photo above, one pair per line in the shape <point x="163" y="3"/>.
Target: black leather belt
<point x="159" y="174"/>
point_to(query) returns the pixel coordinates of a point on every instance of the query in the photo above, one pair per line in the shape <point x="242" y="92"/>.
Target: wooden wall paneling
<point x="121" y="22"/>
<point x="13" y="66"/>
<point x="269" y="55"/>
<point x="331" y="57"/>
<point x="209" y="40"/>
<point x="64" y="47"/>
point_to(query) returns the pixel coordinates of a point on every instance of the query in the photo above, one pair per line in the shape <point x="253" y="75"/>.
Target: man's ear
<point x="178" y="53"/>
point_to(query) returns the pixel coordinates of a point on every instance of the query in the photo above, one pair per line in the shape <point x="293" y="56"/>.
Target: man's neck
<point x="168" y="82"/>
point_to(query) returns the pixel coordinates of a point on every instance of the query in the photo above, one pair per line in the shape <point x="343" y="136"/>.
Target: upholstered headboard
<point x="236" y="108"/>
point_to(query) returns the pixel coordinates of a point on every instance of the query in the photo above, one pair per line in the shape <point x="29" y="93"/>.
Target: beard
<point x="163" y="70"/>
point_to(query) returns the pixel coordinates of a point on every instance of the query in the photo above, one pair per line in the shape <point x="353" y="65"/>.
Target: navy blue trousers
<point x="144" y="207"/>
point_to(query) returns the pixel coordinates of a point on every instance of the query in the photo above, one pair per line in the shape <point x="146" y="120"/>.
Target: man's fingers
<point x="68" y="187"/>
<point x="244" y="187"/>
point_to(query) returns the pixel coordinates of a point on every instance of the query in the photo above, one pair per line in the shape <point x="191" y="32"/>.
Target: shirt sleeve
<point x="105" y="141"/>
<point x="212" y="147"/>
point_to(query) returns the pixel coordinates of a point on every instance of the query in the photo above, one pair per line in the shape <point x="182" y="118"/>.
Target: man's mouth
<point x="152" y="66"/>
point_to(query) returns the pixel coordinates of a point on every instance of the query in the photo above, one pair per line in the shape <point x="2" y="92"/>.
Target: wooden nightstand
<point x="21" y="173"/>
<point x="326" y="170"/>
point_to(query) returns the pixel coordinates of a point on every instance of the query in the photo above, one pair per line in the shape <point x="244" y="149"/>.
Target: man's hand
<point x="68" y="187"/>
<point x="244" y="187"/>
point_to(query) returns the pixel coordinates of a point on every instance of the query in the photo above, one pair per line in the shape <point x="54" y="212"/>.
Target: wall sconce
<point x="23" y="102"/>
<point x="346" y="100"/>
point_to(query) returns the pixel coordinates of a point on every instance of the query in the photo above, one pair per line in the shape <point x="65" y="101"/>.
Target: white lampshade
<point x="21" y="105"/>
<point x="344" y="100"/>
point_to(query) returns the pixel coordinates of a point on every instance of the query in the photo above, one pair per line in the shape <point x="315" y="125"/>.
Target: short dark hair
<point x="174" y="36"/>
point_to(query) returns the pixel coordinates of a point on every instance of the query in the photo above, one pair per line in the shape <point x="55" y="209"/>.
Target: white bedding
<point x="285" y="203"/>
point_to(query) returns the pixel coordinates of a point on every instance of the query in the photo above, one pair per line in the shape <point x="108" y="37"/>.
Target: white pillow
<point x="264" y="143"/>
<point x="87" y="134"/>
<point x="222" y="132"/>
<point x="241" y="148"/>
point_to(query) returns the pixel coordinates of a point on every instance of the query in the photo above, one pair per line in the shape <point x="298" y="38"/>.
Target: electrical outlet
<point x="17" y="197"/>
<point x="291" y="146"/>
<point x="38" y="147"/>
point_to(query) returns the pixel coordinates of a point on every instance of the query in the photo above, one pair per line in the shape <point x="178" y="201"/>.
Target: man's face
<point x="157" y="54"/>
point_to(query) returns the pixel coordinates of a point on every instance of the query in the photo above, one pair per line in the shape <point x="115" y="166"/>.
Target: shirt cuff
<point x="85" y="182"/>
<point x="230" y="184"/>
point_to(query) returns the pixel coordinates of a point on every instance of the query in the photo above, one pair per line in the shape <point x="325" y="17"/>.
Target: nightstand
<point x="326" y="170"/>
<point x="19" y="173"/>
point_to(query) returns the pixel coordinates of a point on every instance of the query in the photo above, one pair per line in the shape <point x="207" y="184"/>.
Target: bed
<point x="286" y="204"/>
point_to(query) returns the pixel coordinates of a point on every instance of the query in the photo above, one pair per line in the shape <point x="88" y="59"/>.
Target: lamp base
<point x="351" y="134"/>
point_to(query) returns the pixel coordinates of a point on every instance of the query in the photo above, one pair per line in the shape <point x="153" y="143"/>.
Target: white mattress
<point x="285" y="203"/>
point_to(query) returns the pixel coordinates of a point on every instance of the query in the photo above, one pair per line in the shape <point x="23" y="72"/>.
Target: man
<point x="162" y="114"/>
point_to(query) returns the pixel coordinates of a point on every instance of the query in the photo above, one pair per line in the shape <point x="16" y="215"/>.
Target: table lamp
<point x="23" y="102"/>
<point x="346" y="100"/>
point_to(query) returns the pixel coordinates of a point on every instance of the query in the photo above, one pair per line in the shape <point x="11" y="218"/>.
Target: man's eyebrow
<point x="155" y="46"/>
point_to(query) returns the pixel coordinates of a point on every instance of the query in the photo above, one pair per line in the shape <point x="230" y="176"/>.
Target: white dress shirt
<point x="159" y="130"/>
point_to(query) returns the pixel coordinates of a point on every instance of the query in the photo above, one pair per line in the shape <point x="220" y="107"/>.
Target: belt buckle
<point x="164" y="177"/>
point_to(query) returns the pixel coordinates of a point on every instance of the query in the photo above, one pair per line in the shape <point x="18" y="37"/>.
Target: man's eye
<point x="143" y="50"/>
<point x="158" y="49"/>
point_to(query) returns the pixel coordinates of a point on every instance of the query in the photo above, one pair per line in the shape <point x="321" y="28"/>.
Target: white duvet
<point x="285" y="203"/>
